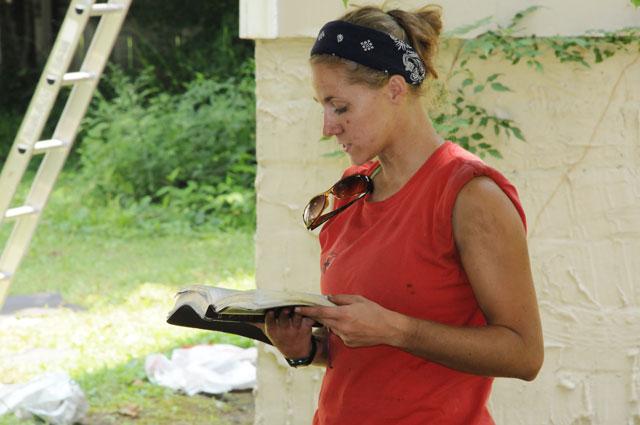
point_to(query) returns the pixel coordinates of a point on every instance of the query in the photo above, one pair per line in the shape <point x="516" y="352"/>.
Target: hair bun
<point x="422" y="27"/>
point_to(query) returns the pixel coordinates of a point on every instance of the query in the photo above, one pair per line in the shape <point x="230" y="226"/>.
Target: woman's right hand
<point x="289" y="332"/>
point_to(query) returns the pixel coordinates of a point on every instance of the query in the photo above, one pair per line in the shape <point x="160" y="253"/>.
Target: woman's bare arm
<point x="491" y="240"/>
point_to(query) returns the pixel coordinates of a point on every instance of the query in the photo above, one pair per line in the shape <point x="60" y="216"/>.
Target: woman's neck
<point x="413" y="142"/>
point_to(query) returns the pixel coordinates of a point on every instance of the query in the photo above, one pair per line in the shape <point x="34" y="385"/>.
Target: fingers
<point x="269" y="319"/>
<point x="306" y="321"/>
<point x="296" y="320"/>
<point x="286" y="318"/>
<point x="319" y="313"/>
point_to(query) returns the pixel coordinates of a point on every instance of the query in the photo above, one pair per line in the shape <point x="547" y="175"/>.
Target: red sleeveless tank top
<point x="401" y="253"/>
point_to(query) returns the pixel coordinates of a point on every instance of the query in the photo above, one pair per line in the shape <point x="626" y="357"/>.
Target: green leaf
<point x="598" y="54"/>
<point x="345" y="3"/>
<point x="461" y="122"/>
<point x="478" y="88"/>
<point x="499" y="87"/>
<point x="636" y="3"/>
<point x="467" y="82"/>
<point x="494" y="153"/>
<point x="539" y="67"/>
<point x="477" y="136"/>
<point x="493" y="77"/>
<point x="522" y="14"/>
<point x="518" y="133"/>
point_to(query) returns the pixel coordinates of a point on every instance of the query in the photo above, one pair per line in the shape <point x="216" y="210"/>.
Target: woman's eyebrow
<point x="326" y="99"/>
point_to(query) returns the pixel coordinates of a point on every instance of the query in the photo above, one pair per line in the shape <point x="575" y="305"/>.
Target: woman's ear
<point x="397" y="88"/>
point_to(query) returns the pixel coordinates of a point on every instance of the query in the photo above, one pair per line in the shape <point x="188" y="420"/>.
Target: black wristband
<point x="304" y="361"/>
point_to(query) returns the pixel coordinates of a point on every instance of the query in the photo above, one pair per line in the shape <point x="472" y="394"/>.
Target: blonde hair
<point x="420" y="28"/>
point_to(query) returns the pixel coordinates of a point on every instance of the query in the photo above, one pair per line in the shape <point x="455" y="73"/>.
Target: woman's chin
<point x="356" y="159"/>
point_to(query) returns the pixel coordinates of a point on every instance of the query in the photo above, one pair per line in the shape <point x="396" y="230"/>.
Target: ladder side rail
<point x="77" y="104"/>
<point x="41" y="103"/>
<point x="74" y="110"/>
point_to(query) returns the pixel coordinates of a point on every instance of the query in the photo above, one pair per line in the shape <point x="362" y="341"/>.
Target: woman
<point x="430" y="271"/>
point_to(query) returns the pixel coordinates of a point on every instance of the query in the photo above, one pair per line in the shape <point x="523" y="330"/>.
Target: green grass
<point x="125" y="277"/>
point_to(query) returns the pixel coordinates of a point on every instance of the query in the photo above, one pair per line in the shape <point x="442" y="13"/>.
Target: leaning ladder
<point x="56" y="149"/>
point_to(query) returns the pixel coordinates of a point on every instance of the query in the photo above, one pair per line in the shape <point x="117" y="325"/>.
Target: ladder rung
<point x="20" y="211"/>
<point x="5" y="275"/>
<point x="42" y="146"/>
<point x="47" y="145"/>
<point x="99" y="9"/>
<point x="76" y="77"/>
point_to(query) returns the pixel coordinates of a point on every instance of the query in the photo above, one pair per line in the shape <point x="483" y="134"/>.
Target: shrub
<point x="193" y="152"/>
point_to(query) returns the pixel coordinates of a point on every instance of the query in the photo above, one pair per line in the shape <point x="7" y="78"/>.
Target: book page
<point x="225" y="301"/>
<point x="261" y="299"/>
<point x="212" y="294"/>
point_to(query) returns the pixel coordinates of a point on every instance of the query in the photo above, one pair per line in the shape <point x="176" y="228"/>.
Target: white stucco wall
<point x="579" y="179"/>
<point x="267" y="19"/>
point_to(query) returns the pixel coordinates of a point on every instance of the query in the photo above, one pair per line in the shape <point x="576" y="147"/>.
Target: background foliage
<point x="170" y="135"/>
<point x="192" y="151"/>
<point x="464" y="120"/>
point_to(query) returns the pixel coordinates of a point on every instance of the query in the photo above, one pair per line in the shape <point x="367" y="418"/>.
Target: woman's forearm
<point x="491" y="350"/>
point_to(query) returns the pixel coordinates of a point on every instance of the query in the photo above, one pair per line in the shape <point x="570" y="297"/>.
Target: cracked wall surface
<point x="579" y="179"/>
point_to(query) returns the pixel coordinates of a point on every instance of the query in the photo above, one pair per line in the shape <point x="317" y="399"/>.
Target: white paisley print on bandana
<point x="321" y="35"/>
<point x="367" y="45"/>
<point x="401" y="45"/>
<point x="340" y="37"/>
<point x="413" y="64"/>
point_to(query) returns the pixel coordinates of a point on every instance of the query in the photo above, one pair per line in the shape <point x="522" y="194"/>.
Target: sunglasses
<point x="356" y="186"/>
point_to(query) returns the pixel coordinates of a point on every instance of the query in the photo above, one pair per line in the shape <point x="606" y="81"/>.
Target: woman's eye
<point x="340" y="110"/>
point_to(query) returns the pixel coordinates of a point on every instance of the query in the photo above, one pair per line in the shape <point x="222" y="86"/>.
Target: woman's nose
<point x="330" y="127"/>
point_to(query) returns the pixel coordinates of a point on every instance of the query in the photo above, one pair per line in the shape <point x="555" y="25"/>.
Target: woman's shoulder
<point x="456" y="156"/>
<point x="462" y="166"/>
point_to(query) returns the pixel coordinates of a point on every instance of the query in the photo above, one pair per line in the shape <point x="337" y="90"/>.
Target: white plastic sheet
<point x="211" y="369"/>
<point x="53" y="397"/>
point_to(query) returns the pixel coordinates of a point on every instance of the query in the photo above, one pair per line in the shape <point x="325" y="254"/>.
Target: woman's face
<point x="358" y="116"/>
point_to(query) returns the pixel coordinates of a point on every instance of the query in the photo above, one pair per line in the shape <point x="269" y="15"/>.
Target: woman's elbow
<point x="532" y="364"/>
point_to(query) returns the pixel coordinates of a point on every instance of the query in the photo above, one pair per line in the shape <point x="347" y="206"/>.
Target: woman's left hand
<point x="358" y="321"/>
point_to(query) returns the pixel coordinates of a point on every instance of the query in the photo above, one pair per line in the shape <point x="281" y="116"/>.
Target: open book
<point x="233" y="311"/>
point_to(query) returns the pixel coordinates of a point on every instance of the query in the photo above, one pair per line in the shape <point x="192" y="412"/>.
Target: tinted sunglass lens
<point x="314" y="209"/>
<point x="350" y="186"/>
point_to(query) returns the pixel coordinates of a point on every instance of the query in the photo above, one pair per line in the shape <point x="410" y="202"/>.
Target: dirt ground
<point x="235" y="408"/>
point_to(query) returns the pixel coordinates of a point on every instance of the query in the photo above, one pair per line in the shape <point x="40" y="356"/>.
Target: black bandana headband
<point x="372" y="48"/>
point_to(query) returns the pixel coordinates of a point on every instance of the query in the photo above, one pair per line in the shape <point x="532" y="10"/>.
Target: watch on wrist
<point x="304" y="361"/>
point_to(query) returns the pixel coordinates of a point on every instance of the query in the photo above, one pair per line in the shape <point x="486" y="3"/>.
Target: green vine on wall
<point x="466" y="121"/>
